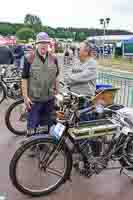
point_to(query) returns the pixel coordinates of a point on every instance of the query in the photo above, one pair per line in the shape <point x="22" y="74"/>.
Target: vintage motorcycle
<point x="16" y="114"/>
<point x="10" y="83"/>
<point x="52" y="165"/>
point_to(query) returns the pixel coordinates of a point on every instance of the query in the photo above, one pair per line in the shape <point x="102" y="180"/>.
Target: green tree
<point x="80" y="36"/>
<point x="17" y="27"/>
<point x="45" y="29"/>
<point x="34" y="22"/>
<point x="50" y="31"/>
<point x="67" y="34"/>
<point x="7" y="29"/>
<point x="25" y="34"/>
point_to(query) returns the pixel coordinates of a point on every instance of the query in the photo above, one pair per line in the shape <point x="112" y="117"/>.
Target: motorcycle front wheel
<point x="45" y="172"/>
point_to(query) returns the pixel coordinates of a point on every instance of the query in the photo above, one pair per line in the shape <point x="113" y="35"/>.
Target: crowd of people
<point x="107" y="51"/>
<point x="10" y="55"/>
<point x="98" y="52"/>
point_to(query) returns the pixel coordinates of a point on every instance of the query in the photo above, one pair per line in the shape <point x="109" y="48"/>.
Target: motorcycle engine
<point x="15" y="90"/>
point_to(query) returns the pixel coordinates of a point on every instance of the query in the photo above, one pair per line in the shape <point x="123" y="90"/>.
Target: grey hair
<point x="89" y="46"/>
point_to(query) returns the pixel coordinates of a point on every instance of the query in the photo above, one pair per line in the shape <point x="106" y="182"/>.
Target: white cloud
<point x="66" y="13"/>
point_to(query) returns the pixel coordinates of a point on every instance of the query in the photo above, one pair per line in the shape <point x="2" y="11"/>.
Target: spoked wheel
<point x="16" y="118"/>
<point x="2" y="93"/>
<point x="127" y="161"/>
<point x="129" y="151"/>
<point x="43" y="173"/>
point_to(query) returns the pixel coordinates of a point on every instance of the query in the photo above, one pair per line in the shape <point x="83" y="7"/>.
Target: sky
<point x="71" y="13"/>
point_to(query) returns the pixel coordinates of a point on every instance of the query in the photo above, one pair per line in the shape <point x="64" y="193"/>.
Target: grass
<point x="124" y="64"/>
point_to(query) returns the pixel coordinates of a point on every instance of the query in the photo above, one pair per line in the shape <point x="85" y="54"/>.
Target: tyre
<point x="18" y="123"/>
<point x="127" y="160"/>
<point x="2" y="93"/>
<point x="30" y="174"/>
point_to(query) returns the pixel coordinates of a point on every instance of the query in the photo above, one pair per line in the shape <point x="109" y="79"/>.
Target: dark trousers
<point x="41" y="114"/>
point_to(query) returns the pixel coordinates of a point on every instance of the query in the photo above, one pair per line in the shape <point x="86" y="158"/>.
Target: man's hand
<point x="51" y="51"/>
<point x="56" y="88"/>
<point x="56" y="91"/>
<point x="28" y="103"/>
<point x="27" y="100"/>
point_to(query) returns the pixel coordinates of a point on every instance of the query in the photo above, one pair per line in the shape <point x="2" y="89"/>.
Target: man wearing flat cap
<point x="39" y="84"/>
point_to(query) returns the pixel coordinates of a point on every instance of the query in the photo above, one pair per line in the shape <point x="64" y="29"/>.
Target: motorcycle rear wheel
<point x="9" y="124"/>
<point x="127" y="160"/>
<point x="2" y="93"/>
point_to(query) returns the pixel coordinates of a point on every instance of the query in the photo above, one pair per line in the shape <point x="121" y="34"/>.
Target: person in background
<point x="66" y="52"/>
<point x="78" y="50"/>
<point x="19" y="55"/>
<point x="66" y="55"/>
<point x="73" y="49"/>
<point x="6" y="56"/>
<point x="28" y="48"/>
<point x="39" y="80"/>
<point x="109" y="51"/>
<point x="101" y="51"/>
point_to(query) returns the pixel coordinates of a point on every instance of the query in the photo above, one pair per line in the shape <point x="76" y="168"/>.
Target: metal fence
<point x="119" y="80"/>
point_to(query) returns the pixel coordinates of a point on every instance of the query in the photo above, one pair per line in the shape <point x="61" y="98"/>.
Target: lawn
<point x="124" y="64"/>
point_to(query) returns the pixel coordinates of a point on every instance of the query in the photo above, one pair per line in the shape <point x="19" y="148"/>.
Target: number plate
<point x="58" y="130"/>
